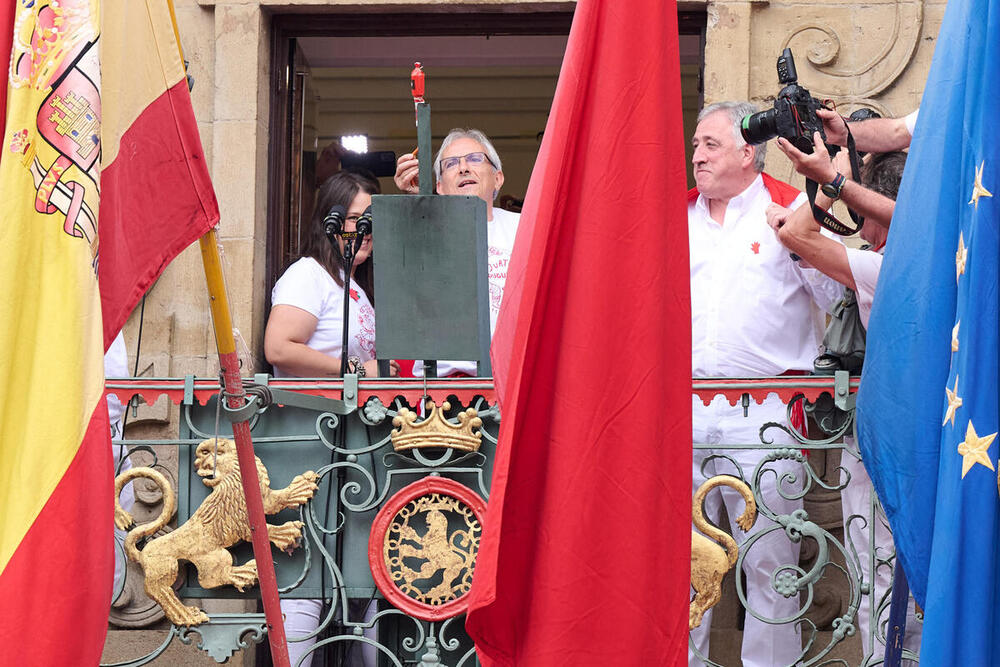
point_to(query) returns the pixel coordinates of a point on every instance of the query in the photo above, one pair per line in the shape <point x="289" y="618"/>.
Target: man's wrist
<point x="847" y="131"/>
<point x="834" y="187"/>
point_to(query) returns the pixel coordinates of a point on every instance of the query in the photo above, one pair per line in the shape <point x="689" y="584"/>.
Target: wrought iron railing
<point x="400" y="592"/>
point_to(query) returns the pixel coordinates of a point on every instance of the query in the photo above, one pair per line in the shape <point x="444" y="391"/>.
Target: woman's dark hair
<point x="341" y="188"/>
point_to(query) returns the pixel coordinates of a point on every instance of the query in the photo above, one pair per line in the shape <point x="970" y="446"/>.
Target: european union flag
<point x="928" y="403"/>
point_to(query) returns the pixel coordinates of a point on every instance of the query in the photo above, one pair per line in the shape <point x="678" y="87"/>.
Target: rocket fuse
<point x="417" y="86"/>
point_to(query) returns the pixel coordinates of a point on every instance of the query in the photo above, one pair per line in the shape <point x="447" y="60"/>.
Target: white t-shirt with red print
<point x="500" y="231"/>
<point x="308" y="286"/>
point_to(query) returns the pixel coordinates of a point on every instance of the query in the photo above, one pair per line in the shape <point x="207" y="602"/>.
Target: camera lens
<point x="758" y="128"/>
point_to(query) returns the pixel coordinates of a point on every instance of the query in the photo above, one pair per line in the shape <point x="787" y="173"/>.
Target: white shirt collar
<point x="739" y="204"/>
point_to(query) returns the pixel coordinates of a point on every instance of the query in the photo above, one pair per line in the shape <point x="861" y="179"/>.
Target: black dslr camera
<point x="793" y="116"/>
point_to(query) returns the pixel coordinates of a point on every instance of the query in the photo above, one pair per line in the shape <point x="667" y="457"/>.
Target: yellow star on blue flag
<point x="977" y="187"/>
<point x="975" y="449"/>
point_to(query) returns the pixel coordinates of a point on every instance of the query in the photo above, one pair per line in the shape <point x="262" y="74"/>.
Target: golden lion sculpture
<point x="709" y="561"/>
<point x="220" y="522"/>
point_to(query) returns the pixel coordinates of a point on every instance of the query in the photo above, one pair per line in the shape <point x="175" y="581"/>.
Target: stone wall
<point x="874" y="54"/>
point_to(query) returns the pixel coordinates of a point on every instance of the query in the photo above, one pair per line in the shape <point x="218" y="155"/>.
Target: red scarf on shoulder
<point x="781" y="193"/>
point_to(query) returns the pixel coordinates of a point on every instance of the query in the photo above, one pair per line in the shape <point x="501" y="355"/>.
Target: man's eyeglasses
<point x="479" y="157"/>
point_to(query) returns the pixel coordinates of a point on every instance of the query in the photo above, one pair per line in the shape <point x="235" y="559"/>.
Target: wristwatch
<point x="833" y="188"/>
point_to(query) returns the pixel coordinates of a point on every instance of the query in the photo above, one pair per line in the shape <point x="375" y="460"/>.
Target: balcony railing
<point x="380" y="499"/>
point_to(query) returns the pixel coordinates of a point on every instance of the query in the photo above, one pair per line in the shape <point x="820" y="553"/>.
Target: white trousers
<point x="765" y="644"/>
<point x="303" y="617"/>
<point x="856" y="499"/>
<point x="127" y="501"/>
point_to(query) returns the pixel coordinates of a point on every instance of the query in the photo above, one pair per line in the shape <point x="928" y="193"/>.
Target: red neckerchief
<point x="781" y="193"/>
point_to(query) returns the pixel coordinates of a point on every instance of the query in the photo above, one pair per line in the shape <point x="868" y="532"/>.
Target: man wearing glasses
<point x="468" y="164"/>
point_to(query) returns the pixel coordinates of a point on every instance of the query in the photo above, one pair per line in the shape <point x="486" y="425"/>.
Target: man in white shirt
<point x="468" y="164"/>
<point x="754" y="312"/>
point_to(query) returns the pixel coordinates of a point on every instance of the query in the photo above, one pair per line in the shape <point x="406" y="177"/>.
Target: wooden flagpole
<point x="236" y="398"/>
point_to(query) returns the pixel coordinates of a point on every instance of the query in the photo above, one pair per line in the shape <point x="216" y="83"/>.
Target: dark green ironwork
<point x="299" y="435"/>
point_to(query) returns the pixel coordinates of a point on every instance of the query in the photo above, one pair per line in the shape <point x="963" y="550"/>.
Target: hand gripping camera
<point x="793" y="116"/>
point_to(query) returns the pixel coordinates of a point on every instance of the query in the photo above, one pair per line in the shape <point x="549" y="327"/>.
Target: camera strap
<point x="827" y="219"/>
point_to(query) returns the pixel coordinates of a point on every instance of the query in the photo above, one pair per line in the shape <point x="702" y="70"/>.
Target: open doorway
<point x="340" y="75"/>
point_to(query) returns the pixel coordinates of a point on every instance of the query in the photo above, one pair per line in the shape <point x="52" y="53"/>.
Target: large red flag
<point x="585" y="552"/>
<point x="100" y="136"/>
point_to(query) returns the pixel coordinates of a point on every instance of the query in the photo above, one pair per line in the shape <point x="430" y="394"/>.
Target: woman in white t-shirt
<point x="304" y="335"/>
<point x="305" y="328"/>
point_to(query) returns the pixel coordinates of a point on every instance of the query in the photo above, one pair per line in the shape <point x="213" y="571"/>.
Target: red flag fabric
<point x="585" y="555"/>
<point x="156" y="195"/>
<point x="99" y="136"/>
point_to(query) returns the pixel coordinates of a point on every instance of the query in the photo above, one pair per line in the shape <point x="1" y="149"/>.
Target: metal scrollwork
<point x="359" y="474"/>
<point x="792" y="485"/>
<point x="831" y="581"/>
<point x="831" y="420"/>
<point x="226" y="634"/>
<point x="374" y="412"/>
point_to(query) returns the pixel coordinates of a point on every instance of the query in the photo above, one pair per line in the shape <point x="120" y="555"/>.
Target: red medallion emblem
<point x="423" y="545"/>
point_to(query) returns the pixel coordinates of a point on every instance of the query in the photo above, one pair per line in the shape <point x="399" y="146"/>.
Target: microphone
<point x="333" y="223"/>
<point x="365" y="223"/>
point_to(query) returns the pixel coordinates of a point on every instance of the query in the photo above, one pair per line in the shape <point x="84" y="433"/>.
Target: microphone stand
<point x="349" y="252"/>
<point x="334" y="228"/>
<point x="352" y="243"/>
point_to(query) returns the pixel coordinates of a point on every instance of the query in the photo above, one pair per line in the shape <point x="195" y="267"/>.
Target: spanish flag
<point x="103" y="181"/>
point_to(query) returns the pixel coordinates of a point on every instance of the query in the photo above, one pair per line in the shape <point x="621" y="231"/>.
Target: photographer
<point x="857" y="269"/>
<point x="800" y="233"/>
<point x="874" y="135"/>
